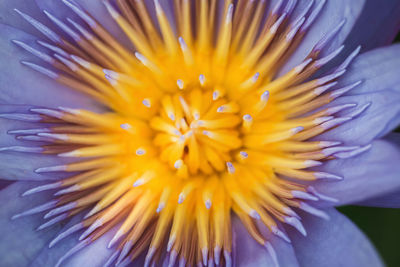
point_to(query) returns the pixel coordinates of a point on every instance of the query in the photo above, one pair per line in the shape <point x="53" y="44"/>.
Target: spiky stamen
<point x="199" y="125"/>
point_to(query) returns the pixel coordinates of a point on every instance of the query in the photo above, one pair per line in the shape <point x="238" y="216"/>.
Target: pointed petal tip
<point x="324" y="175"/>
<point x="303" y="195"/>
<point x="296" y="224"/>
<point x="314" y="211"/>
<point x="353" y="153"/>
<point x="312" y="163"/>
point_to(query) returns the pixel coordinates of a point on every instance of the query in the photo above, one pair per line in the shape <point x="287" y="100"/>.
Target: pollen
<point x="200" y="126"/>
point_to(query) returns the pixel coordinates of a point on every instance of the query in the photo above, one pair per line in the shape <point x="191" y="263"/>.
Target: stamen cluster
<point x="199" y="126"/>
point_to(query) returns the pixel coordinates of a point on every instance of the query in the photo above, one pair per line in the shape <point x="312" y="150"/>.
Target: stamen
<point x="35" y="210"/>
<point x="66" y="233"/>
<point x="22" y="149"/>
<point x="42" y="188"/>
<point x="296" y="224"/>
<point x="140" y="152"/>
<point x="34" y="51"/>
<point x="202" y="79"/>
<point x="321" y="196"/>
<point x="276" y="231"/>
<point x="62" y="25"/>
<point x="328" y="37"/>
<point x="314" y="13"/>
<point x="40" y="27"/>
<point x="231" y="168"/>
<point x="41" y="69"/>
<point x="303" y="195"/>
<point x="51" y="169"/>
<point x="272" y="253"/>
<point x="146" y="102"/>
<point x="79" y="12"/>
<point x="323" y="175"/>
<point x="180" y="84"/>
<point x="319" y="213"/>
<point x="21" y="117"/>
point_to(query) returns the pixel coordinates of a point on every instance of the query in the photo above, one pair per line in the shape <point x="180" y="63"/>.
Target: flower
<point x="227" y="118"/>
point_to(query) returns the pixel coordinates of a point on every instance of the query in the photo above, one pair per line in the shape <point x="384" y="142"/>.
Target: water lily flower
<point x="195" y="132"/>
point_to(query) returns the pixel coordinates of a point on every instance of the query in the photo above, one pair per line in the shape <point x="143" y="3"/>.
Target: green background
<point x="382" y="226"/>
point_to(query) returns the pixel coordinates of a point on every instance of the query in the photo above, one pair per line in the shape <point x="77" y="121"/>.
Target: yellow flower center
<point x="200" y="133"/>
<point x="198" y="125"/>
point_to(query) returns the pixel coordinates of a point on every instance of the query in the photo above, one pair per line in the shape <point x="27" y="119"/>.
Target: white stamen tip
<point x="178" y="164"/>
<point x="160" y="207"/>
<point x="180" y="84"/>
<point x="255" y="77"/>
<point x="189" y="134"/>
<point x="181" y="198"/>
<point x="297" y="129"/>
<point x="312" y="163"/>
<point x="231" y="168"/>
<point x="254" y="214"/>
<point x="202" y="79"/>
<point x="265" y="96"/>
<point x="215" y="95"/>
<point x="146" y="102"/>
<point x="244" y="154"/>
<point x="204" y="252"/>
<point x="140" y="151"/>
<point x="171" y="242"/>
<point x="182" y="43"/>
<point x="228" y="20"/>
<point x="126" y="126"/>
<point x="171" y="116"/>
<point x="141" y="58"/>
<point x="247" y="118"/>
<point x="139" y="182"/>
<point x="208" y="204"/>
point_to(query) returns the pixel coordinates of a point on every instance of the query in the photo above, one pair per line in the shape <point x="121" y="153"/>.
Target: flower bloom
<point x="195" y="133"/>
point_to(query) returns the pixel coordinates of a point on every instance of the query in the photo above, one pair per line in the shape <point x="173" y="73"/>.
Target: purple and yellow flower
<point x="195" y="132"/>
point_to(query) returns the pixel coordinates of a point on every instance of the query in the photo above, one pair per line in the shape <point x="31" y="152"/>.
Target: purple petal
<point x="377" y="69"/>
<point x="391" y="200"/>
<point x="250" y="253"/>
<point x="332" y="14"/>
<point x="94" y="254"/>
<point x="19" y="237"/>
<point x="370" y="174"/>
<point x="377" y="26"/>
<point x="337" y="242"/>
<point x="21" y="85"/>
<point x="18" y="166"/>
<point x="50" y="256"/>
<point x="10" y="17"/>
<point x="10" y="160"/>
<point x="7" y="125"/>
<point x="4" y="183"/>
<point x="380" y="87"/>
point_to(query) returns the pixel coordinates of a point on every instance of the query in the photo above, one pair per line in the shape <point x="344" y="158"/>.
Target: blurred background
<point x="382" y="226"/>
